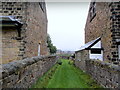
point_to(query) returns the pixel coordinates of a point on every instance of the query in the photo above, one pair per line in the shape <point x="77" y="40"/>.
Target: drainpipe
<point x="39" y="49"/>
<point x="19" y="26"/>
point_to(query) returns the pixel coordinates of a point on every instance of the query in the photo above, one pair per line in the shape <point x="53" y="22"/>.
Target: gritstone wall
<point x="106" y="74"/>
<point x="24" y="73"/>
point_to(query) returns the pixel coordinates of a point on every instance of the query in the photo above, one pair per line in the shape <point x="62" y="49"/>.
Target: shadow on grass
<point x="44" y="80"/>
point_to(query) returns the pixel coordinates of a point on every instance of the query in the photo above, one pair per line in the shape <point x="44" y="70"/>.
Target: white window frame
<point x="95" y="55"/>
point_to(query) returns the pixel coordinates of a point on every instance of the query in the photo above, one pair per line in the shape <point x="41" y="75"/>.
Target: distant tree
<point x="52" y="48"/>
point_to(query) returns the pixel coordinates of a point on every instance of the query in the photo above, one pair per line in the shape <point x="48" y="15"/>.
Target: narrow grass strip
<point x="43" y="81"/>
<point x="65" y="75"/>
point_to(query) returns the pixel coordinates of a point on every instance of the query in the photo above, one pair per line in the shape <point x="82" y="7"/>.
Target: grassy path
<point x="66" y="76"/>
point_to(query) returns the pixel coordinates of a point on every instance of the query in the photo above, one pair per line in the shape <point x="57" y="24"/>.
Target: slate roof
<point x="9" y="21"/>
<point x="88" y="45"/>
<point x="6" y="18"/>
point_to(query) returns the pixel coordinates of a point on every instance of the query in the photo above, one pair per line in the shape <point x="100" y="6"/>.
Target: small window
<point x="92" y="11"/>
<point x="95" y="51"/>
<point x="119" y="51"/>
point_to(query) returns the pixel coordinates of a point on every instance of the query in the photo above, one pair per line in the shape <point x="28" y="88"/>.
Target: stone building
<point x="10" y="38"/>
<point x="32" y="38"/>
<point x="103" y="22"/>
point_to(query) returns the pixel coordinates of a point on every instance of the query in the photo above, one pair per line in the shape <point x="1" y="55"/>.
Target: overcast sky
<point x="66" y="23"/>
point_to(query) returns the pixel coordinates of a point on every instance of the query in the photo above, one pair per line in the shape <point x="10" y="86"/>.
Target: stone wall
<point x="106" y="74"/>
<point x="104" y="24"/>
<point x="80" y="64"/>
<point x="34" y="29"/>
<point x="10" y="46"/>
<point x="80" y="57"/>
<point x="115" y="28"/>
<point x="16" y="9"/>
<point x="24" y="73"/>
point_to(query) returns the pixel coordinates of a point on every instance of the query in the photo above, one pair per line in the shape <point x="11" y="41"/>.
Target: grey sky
<point x="66" y="23"/>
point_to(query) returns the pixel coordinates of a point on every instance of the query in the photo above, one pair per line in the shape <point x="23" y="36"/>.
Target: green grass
<point x="43" y="81"/>
<point x="66" y="76"/>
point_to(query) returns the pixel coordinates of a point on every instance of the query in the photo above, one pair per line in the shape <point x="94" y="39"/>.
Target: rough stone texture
<point x="24" y="73"/>
<point x="106" y="74"/>
<point x="115" y="29"/>
<point x="80" y="57"/>
<point x="34" y="30"/>
<point x="10" y="46"/>
<point x="105" y="25"/>
<point x="16" y="9"/>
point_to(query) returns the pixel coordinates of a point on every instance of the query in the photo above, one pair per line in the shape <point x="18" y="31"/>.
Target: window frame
<point x="93" y="51"/>
<point x="92" y="11"/>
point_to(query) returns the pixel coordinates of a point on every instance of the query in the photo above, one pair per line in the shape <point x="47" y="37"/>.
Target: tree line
<point x="51" y="47"/>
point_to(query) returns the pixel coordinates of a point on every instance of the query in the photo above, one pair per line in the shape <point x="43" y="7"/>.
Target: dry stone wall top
<point x="106" y="74"/>
<point x="24" y="73"/>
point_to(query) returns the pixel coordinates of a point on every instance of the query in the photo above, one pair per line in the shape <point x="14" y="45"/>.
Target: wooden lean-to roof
<point x="88" y="45"/>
